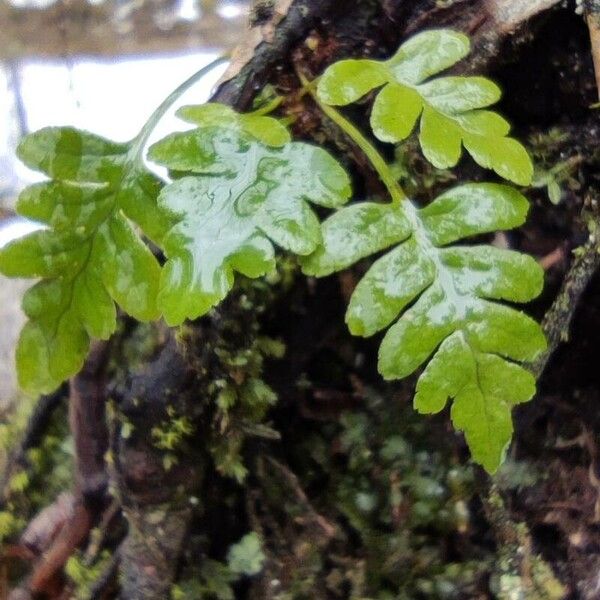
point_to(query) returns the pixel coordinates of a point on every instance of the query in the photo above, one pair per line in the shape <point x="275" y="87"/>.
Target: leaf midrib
<point x="91" y="240"/>
<point x="428" y="249"/>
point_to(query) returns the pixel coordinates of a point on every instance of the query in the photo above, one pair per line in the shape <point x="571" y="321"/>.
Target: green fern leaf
<point x="89" y="256"/>
<point x="265" y="129"/>
<point x="451" y="109"/>
<point x="239" y="187"/>
<point x="442" y="303"/>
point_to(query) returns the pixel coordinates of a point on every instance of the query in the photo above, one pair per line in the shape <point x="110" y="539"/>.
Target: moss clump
<point x="84" y="573"/>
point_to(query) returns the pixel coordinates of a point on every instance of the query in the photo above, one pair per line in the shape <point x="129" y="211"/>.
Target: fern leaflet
<point x="245" y="186"/>
<point x="90" y="255"/>
<point x="450" y="108"/>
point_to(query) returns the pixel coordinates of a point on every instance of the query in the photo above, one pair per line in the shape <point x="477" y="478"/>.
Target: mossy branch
<point x="558" y="319"/>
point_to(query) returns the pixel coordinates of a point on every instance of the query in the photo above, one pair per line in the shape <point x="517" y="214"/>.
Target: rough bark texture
<point x="151" y="550"/>
<point x="154" y="495"/>
<point x="87" y="410"/>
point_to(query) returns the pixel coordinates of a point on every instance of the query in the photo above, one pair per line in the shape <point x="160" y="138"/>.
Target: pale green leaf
<point x="199" y="151"/>
<point x="395" y="112"/>
<point x="428" y="53"/>
<point x="494" y="273"/>
<point x="355" y="232"/>
<point x="127" y="268"/>
<point x="204" y="248"/>
<point x="347" y="81"/>
<point x="415" y="336"/>
<point x="221" y="151"/>
<point x="483" y="409"/>
<point x="268" y="130"/>
<point x="226" y="224"/>
<point x="451" y="107"/>
<point x="472" y="209"/>
<point x="484" y="122"/>
<point x="500" y="329"/>
<point x="68" y="154"/>
<point x="442" y="301"/>
<point x="445" y="376"/>
<point x="484" y="388"/>
<point x="455" y="95"/>
<point x="90" y="256"/>
<point x="53" y="343"/>
<point x="389" y="285"/>
<point x="554" y="191"/>
<point x="440" y="139"/>
<point x="505" y="156"/>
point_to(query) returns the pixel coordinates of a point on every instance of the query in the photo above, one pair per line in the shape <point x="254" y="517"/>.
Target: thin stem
<point x="142" y="138"/>
<point x="381" y="167"/>
<point x="410" y="211"/>
<point x="267" y="108"/>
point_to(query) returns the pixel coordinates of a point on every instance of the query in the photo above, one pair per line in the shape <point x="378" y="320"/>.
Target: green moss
<point x="84" y="574"/>
<point x="172" y="432"/>
<point x="10" y="525"/>
<point x="239" y="398"/>
<point x="141" y="345"/>
<point x="518" y="573"/>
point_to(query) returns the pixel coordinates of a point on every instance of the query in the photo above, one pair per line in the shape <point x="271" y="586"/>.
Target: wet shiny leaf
<point x="355" y="232"/>
<point x="243" y="196"/>
<point x="473" y="345"/>
<point x="268" y="130"/>
<point x="449" y="107"/>
<point x="89" y="256"/>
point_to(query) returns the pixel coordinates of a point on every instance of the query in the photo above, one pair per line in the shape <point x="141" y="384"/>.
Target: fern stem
<point x="267" y="108"/>
<point x="142" y="138"/>
<point x="397" y="194"/>
<point x="377" y="161"/>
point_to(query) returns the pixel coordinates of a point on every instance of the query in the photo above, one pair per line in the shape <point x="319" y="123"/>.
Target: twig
<point x="74" y="532"/>
<point x="557" y="255"/>
<point x="292" y="481"/>
<point x="87" y="421"/>
<point x="87" y="418"/>
<point x="44" y="527"/>
<point x="558" y="319"/>
<point x="102" y="531"/>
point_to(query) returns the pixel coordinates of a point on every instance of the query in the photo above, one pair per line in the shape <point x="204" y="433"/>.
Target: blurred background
<point x="100" y="65"/>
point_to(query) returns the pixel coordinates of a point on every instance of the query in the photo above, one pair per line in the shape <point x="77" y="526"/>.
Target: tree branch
<point x="558" y="319"/>
<point x="266" y="43"/>
<point x="87" y="418"/>
<point x="592" y="14"/>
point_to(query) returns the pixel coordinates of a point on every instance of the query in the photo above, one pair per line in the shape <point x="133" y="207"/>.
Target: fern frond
<point x="442" y="303"/>
<point x="450" y="108"/>
<point x="246" y="186"/>
<point x="89" y="256"/>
